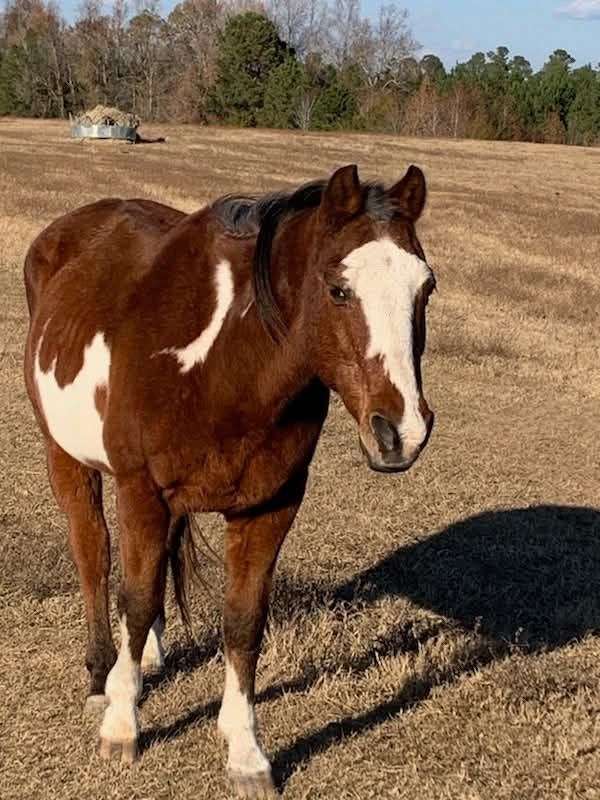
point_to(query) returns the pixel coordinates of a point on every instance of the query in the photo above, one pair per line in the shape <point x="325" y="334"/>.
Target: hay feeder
<point x="104" y="122"/>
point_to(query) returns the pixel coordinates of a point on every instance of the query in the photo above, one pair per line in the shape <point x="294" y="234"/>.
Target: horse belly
<point x="74" y="412"/>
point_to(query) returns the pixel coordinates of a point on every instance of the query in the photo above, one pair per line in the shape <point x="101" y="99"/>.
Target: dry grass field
<point x="433" y="635"/>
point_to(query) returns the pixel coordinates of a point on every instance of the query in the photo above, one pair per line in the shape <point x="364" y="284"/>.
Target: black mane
<point x="261" y="216"/>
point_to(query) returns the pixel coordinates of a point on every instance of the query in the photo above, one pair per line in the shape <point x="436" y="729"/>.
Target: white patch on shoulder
<point x="70" y="411"/>
<point x="237" y="724"/>
<point x="123" y="688"/>
<point x="386" y="280"/>
<point x="196" y="352"/>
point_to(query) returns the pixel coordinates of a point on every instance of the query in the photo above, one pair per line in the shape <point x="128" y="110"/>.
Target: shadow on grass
<point x="181" y="660"/>
<point x="527" y="578"/>
<point x="523" y="577"/>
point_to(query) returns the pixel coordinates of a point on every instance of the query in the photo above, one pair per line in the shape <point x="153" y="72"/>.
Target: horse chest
<point x="250" y="471"/>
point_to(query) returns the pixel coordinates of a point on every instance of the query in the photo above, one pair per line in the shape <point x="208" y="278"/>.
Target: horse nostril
<point x="385" y="433"/>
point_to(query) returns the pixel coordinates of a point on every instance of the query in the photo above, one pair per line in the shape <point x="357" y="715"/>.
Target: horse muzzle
<point x="384" y="447"/>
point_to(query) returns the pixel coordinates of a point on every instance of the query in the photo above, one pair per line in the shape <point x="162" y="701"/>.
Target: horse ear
<point x="343" y="194"/>
<point x="410" y="193"/>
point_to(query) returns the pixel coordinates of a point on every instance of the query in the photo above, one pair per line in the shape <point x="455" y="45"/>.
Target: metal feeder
<point x="122" y="132"/>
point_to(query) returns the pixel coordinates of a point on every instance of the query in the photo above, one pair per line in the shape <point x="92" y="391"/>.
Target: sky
<point x="456" y="29"/>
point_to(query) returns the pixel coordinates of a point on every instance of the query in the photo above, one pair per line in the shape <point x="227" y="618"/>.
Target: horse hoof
<point x="95" y="705"/>
<point x="259" y="784"/>
<point x="126" y="751"/>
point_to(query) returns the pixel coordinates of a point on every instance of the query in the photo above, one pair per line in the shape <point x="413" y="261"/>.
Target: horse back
<point x="124" y="233"/>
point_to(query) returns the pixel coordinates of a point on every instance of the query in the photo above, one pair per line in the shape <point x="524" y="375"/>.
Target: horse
<point x="192" y="358"/>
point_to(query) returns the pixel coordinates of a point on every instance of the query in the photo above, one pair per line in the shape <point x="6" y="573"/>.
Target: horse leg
<point x="252" y="546"/>
<point x="78" y="492"/>
<point x="153" y="655"/>
<point x="144" y="524"/>
<point x="153" y="658"/>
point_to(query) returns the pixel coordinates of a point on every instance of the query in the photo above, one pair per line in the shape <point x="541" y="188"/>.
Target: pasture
<point x="433" y="634"/>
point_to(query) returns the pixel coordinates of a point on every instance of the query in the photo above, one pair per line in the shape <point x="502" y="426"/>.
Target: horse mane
<point x="244" y="215"/>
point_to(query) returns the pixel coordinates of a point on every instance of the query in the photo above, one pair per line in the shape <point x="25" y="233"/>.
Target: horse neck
<point x="285" y="367"/>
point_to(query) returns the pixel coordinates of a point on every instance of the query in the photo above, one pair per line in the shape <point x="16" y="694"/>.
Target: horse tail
<point x="186" y="562"/>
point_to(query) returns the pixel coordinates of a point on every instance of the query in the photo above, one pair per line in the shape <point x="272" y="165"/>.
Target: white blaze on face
<point x="70" y="411"/>
<point x="386" y="280"/>
<point x="197" y="351"/>
<point x="236" y="723"/>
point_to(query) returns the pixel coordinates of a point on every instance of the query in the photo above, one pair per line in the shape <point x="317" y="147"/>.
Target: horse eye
<point x="339" y="295"/>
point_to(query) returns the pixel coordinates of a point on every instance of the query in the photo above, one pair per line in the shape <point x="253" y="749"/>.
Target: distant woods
<point x="306" y="64"/>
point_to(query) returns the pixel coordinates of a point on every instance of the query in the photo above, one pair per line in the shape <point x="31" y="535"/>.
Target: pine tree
<point x="14" y="98"/>
<point x="557" y="88"/>
<point x="283" y="93"/>
<point x="583" y="121"/>
<point x="249" y="48"/>
<point x="335" y="107"/>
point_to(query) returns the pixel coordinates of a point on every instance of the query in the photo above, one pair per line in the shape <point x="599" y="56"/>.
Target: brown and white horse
<point x="192" y="357"/>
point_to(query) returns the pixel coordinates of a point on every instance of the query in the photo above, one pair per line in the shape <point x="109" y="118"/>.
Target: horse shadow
<point x="526" y="578"/>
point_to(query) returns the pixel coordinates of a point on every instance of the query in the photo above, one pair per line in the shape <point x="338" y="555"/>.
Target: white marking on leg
<point x="123" y="687"/>
<point x="237" y="724"/>
<point x="70" y="411"/>
<point x="386" y="280"/>
<point x="197" y="351"/>
<point x="95" y="705"/>
<point x="153" y="657"/>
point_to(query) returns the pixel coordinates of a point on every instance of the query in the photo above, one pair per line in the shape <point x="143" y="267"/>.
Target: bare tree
<point x="301" y="23"/>
<point x="36" y="32"/>
<point x="149" y="59"/>
<point x="380" y="49"/>
<point x="151" y="6"/>
<point x="91" y="54"/>
<point x="239" y="6"/>
<point x="194" y="26"/>
<point x="344" y="24"/>
<point x="193" y="30"/>
<point x="56" y="77"/>
<point x="304" y="107"/>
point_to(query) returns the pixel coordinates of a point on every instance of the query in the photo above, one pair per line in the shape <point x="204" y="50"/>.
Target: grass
<point x="433" y="635"/>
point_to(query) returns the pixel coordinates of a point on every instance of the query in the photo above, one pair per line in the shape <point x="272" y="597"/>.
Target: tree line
<point x="306" y="64"/>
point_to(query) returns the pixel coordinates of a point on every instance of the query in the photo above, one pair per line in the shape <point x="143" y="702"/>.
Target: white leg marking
<point x="70" y="411"/>
<point x="386" y="279"/>
<point x="95" y="706"/>
<point x="153" y="657"/>
<point x="237" y="724"/>
<point x="123" y="687"/>
<point x="196" y="352"/>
